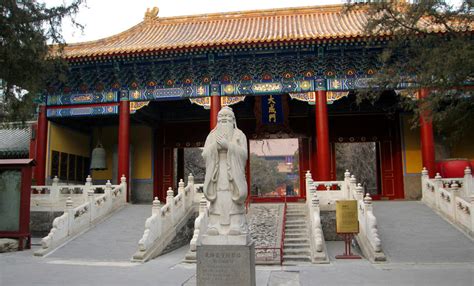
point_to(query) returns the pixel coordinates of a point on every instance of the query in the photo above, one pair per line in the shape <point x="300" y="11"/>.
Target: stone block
<point x="8" y="245"/>
<point x="230" y="265"/>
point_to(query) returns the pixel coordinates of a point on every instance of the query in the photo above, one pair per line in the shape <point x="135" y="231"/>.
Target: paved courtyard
<point x="422" y="249"/>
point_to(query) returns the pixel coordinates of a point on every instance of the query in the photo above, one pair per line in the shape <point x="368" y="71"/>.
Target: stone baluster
<point x="454" y="190"/>
<point x="308" y="181"/>
<point x="70" y="213"/>
<point x="346" y="187"/>
<point x="123" y="186"/>
<point x="317" y="231"/>
<point x="438" y="183"/>
<point x="352" y="186"/>
<point x="359" y="192"/>
<point x="54" y="191"/>
<point x="87" y="187"/>
<point x="170" y="198"/>
<point x="155" y="209"/>
<point x="108" y="188"/>
<point x="468" y="182"/>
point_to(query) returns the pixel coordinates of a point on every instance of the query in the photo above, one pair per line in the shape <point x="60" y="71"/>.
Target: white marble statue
<point x="225" y="186"/>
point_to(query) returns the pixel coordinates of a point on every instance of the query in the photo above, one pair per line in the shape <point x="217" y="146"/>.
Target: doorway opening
<point x="274" y="169"/>
<point x="362" y="160"/>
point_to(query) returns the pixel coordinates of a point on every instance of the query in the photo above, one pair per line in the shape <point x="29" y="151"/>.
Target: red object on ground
<point x="347" y="248"/>
<point x="23" y="230"/>
<point x="453" y="168"/>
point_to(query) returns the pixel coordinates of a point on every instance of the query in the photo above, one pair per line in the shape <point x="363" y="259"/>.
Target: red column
<point x="124" y="141"/>
<point x="323" y="163"/>
<point x="427" y="138"/>
<point x="215" y="108"/>
<point x="42" y="138"/>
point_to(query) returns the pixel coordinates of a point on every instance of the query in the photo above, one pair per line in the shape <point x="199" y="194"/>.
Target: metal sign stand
<point x="347" y="248"/>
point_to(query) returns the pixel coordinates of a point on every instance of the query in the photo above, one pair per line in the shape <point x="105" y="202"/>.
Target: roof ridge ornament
<point x="151" y="14"/>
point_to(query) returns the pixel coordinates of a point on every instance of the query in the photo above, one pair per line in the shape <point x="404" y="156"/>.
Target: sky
<point x="104" y="18"/>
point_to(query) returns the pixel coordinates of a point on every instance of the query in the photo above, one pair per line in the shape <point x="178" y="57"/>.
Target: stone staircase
<point x="297" y="247"/>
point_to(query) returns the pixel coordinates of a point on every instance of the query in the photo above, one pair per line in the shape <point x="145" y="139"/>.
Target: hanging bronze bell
<point x="98" y="158"/>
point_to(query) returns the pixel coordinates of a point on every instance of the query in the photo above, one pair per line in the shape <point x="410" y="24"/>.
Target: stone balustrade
<point x="200" y="228"/>
<point x="54" y="197"/>
<point x="325" y="199"/>
<point x="452" y="198"/>
<point x="161" y="227"/>
<point x="78" y="218"/>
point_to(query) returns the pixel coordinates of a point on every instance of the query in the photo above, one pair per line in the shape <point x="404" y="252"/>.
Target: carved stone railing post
<point x="181" y="191"/>
<point x="352" y="186"/>
<point x="468" y="183"/>
<point x="170" y="200"/>
<point x="346" y="187"/>
<point x="308" y="181"/>
<point x="70" y="213"/>
<point x="438" y="183"/>
<point x="54" y="190"/>
<point x="371" y="224"/>
<point x="424" y="185"/>
<point x="87" y="187"/>
<point x="359" y="192"/>
<point x="316" y="223"/>
<point x="155" y="209"/>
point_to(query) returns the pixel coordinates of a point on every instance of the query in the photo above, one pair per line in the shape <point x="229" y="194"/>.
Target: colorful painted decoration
<point x="225" y="101"/>
<point x="310" y="97"/>
<point x="136" y="105"/>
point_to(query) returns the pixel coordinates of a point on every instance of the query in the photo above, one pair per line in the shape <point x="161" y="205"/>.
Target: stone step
<point x="296" y="223"/>
<point x="296" y="235"/>
<point x="296" y="240"/>
<point x="296" y="258"/>
<point x="296" y="219"/>
<point x="299" y="230"/>
<point x="295" y="216"/>
<point x="296" y="251"/>
<point x="305" y="246"/>
<point x="297" y="226"/>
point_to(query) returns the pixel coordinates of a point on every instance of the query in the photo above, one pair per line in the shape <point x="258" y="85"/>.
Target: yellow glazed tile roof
<point x="209" y="30"/>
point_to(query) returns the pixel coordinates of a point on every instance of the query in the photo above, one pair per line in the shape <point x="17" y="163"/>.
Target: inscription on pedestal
<point x="225" y="265"/>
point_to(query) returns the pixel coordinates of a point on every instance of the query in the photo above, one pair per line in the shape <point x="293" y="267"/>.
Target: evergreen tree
<point x="26" y="29"/>
<point x="430" y="45"/>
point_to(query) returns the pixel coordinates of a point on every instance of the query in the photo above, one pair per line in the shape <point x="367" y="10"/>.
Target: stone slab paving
<point x="403" y="267"/>
<point x="412" y="233"/>
<point x="115" y="239"/>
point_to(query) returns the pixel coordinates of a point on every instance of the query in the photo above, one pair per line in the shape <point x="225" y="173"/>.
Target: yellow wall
<point x="142" y="148"/>
<point x="142" y="142"/>
<point x="66" y="140"/>
<point x="412" y="147"/>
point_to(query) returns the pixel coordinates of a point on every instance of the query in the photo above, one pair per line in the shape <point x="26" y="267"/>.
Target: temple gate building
<point x="155" y="89"/>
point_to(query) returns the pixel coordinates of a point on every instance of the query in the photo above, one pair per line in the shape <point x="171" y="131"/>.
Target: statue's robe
<point x="235" y="160"/>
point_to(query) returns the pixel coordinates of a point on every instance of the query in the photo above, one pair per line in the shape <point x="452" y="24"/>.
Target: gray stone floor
<point x="427" y="261"/>
<point x="412" y="233"/>
<point x="115" y="239"/>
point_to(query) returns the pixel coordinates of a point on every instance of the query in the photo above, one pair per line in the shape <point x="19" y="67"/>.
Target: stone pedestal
<point x="227" y="265"/>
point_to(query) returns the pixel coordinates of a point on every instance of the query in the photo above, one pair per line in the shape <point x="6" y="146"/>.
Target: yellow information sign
<point x="346" y="216"/>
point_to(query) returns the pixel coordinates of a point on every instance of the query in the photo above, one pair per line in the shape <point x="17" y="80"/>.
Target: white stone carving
<point x="78" y="218"/>
<point x="452" y="198"/>
<point x="160" y="227"/>
<point x="225" y="186"/>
